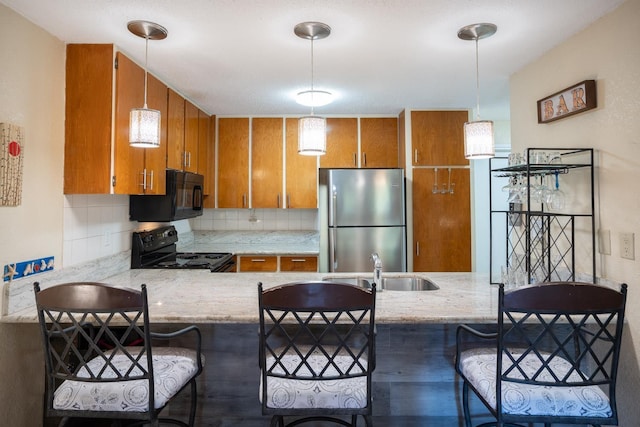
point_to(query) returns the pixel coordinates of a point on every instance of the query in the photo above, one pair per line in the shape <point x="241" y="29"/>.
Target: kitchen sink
<point x="408" y="283"/>
<point x="404" y="283"/>
<point x="358" y="281"/>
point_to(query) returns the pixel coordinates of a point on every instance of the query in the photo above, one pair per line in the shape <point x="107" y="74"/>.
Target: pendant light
<point x="478" y="135"/>
<point x="144" y="123"/>
<point x="312" y="129"/>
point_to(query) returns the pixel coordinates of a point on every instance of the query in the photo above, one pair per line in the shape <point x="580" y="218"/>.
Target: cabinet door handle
<point x="364" y="158"/>
<point x="151" y="186"/>
<point x="355" y="159"/>
<point x="258" y="260"/>
<point x="244" y="200"/>
<point x="298" y="260"/>
<point x="144" y="179"/>
<point x="417" y="248"/>
<point x="415" y="156"/>
<point x="278" y="200"/>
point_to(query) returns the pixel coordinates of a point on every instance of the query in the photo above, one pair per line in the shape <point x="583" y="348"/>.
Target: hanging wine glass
<point x="557" y="196"/>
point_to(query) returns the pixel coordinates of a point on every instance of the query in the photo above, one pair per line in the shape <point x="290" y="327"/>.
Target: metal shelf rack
<point x="539" y="241"/>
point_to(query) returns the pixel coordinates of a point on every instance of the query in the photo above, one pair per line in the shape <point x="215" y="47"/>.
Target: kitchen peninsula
<point x="199" y="296"/>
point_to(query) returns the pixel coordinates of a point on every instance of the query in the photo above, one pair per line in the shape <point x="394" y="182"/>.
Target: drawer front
<point x="258" y="263"/>
<point x="298" y="263"/>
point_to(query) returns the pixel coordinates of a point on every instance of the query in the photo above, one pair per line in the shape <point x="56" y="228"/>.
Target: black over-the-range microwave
<point x="183" y="199"/>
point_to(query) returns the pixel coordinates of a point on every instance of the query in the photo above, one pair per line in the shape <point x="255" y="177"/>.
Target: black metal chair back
<point x="557" y="344"/>
<point x="316" y="335"/>
<point x="95" y="334"/>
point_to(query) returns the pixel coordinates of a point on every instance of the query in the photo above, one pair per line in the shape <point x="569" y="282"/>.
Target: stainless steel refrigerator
<point x="362" y="211"/>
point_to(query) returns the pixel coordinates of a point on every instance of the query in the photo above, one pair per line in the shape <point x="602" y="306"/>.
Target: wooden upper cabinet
<point x="129" y="162"/>
<point x="402" y="141"/>
<point x="441" y="222"/>
<point x="379" y="142"/>
<point x="175" y="130"/>
<point x="191" y="126"/>
<point x="266" y="162"/>
<point x="437" y="138"/>
<point x="88" y="111"/>
<point x="301" y="172"/>
<point x="233" y="162"/>
<point x="342" y="144"/>
<point x="209" y="169"/>
<point x="205" y="151"/>
<point x="155" y="159"/>
<point x="89" y="137"/>
<point x="138" y="170"/>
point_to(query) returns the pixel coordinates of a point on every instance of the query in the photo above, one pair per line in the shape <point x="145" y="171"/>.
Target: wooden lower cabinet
<point x="258" y="263"/>
<point x="269" y="263"/>
<point x="298" y="263"/>
<point x="441" y="221"/>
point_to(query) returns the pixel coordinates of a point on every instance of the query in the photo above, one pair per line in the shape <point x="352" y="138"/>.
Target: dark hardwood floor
<point x="414" y="383"/>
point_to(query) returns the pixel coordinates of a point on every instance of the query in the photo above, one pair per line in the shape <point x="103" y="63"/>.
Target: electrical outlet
<point x="605" y="242"/>
<point x="627" y="246"/>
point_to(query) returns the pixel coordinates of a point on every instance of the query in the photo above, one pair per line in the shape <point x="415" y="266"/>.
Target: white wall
<point x="32" y="96"/>
<point x="480" y="235"/>
<point x="609" y="52"/>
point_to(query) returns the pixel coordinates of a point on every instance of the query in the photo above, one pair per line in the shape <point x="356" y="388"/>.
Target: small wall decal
<point x="27" y="268"/>
<point x="11" y="159"/>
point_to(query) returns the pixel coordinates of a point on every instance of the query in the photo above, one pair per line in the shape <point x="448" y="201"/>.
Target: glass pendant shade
<point x="312" y="136"/>
<point x="144" y="128"/>
<point x="478" y="140"/>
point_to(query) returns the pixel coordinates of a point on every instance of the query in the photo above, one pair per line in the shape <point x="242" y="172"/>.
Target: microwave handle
<point x="196" y="200"/>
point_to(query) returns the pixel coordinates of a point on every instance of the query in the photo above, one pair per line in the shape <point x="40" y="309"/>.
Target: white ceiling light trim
<point x="314" y="98"/>
<point x="479" y="142"/>
<point x="144" y="123"/>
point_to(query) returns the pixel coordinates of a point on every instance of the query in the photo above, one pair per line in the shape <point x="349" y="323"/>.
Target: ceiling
<point x="241" y="57"/>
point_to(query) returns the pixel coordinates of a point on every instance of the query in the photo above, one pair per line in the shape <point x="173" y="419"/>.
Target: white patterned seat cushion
<point x="172" y="369"/>
<point x="290" y="393"/>
<point x="479" y="367"/>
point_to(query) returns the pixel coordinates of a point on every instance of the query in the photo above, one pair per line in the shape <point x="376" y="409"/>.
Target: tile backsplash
<point x="97" y="226"/>
<point x="256" y="219"/>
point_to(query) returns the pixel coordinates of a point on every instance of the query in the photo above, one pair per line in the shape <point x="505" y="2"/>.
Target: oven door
<point x="229" y="266"/>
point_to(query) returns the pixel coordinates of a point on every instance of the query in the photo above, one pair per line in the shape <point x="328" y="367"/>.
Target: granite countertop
<point x="198" y="296"/>
<point x="254" y="242"/>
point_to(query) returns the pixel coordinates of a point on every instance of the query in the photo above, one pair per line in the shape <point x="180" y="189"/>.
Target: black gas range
<point x="157" y="249"/>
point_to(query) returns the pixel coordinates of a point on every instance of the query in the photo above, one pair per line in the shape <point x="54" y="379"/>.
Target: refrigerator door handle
<point x="334" y="206"/>
<point x="332" y="250"/>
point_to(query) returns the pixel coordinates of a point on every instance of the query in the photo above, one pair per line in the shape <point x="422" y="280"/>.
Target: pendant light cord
<point x="477" y="84"/>
<point x="312" y="92"/>
<point x="146" y="52"/>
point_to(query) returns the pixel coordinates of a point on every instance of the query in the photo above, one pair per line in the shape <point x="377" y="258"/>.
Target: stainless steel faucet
<point x="377" y="269"/>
